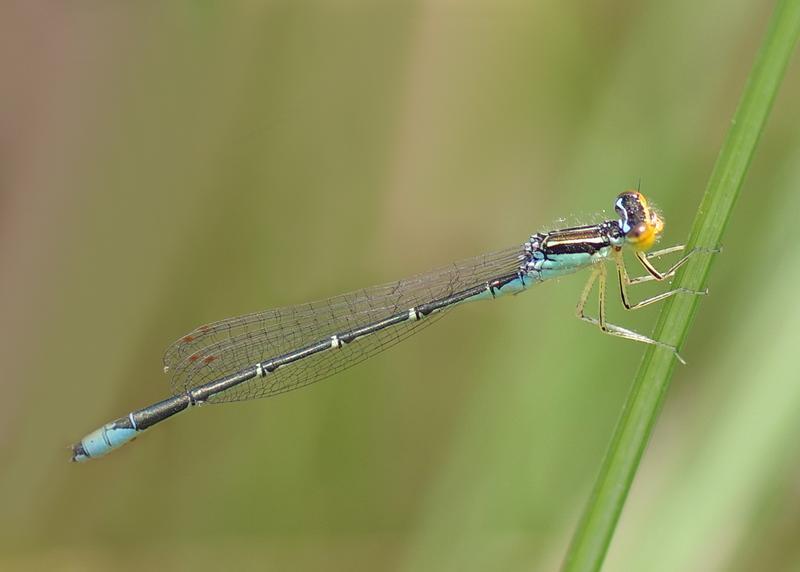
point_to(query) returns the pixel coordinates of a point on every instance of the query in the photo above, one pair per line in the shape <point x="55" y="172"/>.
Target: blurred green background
<point x="168" y="164"/>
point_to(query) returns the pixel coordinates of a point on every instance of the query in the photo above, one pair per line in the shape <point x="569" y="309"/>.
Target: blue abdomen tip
<point x="102" y="441"/>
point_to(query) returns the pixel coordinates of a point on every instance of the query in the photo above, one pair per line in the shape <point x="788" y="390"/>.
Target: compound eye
<point x="629" y="209"/>
<point x="637" y="220"/>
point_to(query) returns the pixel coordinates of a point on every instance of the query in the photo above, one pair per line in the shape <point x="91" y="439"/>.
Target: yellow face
<point x="639" y="221"/>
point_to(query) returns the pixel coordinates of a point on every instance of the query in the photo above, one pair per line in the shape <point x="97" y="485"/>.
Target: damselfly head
<point x="640" y="223"/>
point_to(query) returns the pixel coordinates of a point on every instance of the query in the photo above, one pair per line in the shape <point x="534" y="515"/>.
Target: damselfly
<point x="275" y="351"/>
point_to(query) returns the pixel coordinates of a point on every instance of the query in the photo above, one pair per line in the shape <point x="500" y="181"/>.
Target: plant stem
<point x="596" y="529"/>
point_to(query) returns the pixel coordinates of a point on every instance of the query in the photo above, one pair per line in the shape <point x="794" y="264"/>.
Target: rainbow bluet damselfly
<point x="275" y="351"/>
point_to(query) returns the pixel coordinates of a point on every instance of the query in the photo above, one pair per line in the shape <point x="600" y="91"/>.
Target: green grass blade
<point x="593" y="535"/>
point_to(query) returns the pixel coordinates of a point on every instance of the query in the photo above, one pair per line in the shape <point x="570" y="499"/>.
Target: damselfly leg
<point x="653" y="274"/>
<point x="599" y="275"/>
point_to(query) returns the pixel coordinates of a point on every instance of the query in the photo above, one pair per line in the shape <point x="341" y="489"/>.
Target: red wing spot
<point x="208" y="359"/>
<point x="187" y="339"/>
<point x="204" y="328"/>
<point x="194" y="357"/>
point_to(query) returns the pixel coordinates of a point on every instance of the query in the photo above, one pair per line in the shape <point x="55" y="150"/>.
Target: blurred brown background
<point x="163" y="165"/>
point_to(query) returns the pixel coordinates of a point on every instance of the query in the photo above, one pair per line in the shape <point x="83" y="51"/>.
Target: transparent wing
<point x="221" y="348"/>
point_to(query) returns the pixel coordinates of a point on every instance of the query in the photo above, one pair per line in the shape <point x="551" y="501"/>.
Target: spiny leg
<point x="599" y="272"/>
<point x="625" y="281"/>
<point x="654" y="274"/>
<point x="665" y="251"/>
<point x="680" y="248"/>
<point x="585" y="295"/>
